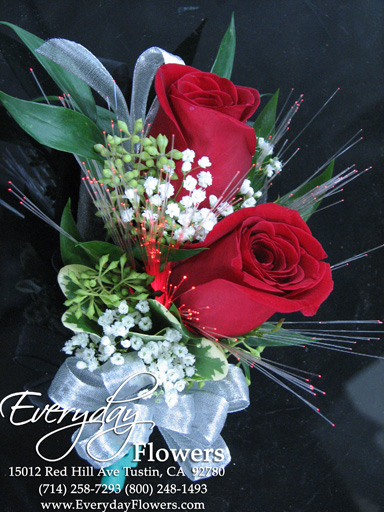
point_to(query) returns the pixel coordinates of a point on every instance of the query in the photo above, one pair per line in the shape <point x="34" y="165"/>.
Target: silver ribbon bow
<point x="126" y="417"/>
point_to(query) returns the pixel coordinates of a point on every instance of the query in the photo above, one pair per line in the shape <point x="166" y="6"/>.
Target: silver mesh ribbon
<point x="194" y="422"/>
<point x="82" y="63"/>
<point x="145" y="69"/>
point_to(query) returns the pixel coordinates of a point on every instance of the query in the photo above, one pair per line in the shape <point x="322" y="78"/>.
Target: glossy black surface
<point x="284" y="457"/>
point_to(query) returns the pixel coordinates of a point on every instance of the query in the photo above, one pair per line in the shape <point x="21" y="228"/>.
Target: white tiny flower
<point x="88" y="353"/>
<point x="198" y="196"/>
<point x="186" y="201"/>
<point x="153" y="347"/>
<point x="212" y="200"/>
<point x="250" y="192"/>
<point x="204" y="162"/>
<point x="266" y="147"/>
<point x="81" y="365"/>
<point x="166" y="190"/>
<point x="189" y="371"/>
<point x="180" y="351"/>
<point x="128" y="321"/>
<point x="119" y="329"/>
<point x="108" y="330"/>
<point x="80" y="339"/>
<point x="123" y="307"/>
<point x="205" y="179"/>
<point x="173" y="375"/>
<point x="188" y="155"/>
<point x="106" y="318"/>
<point x="245" y="186"/>
<point x="93" y="365"/>
<point x="186" y="167"/>
<point x="117" y="359"/>
<point x="68" y="347"/>
<point x="127" y="214"/>
<point x="150" y="185"/>
<point x="185" y="218"/>
<point x="171" y="398"/>
<point x="165" y="345"/>
<point x="149" y="215"/>
<point x="209" y="219"/>
<point x="190" y="183"/>
<point x="168" y="385"/>
<point x="143" y="306"/>
<point x="125" y="343"/>
<point x="248" y="203"/>
<point x="226" y="209"/>
<point x="184" y="234"/>
<point x="258" y="194"/>
<point x="162" y="364"/>
<point x="189" y="359"/>
<point x="172" y="210"/>
<point x="145" y="324"/>
<point x="269" y="170"/>
<point x="180" y="385"/>
<point x="172" y="335"/>
<point x="156" y="200"/>
<point x="136" y="343"/>
<point x="108" y="350"/>
<point x="277" y="165"/>
<point x="146" y="355"/>
<point x="131" y="194"/>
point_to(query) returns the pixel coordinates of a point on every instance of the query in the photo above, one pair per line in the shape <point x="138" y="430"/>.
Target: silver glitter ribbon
<point x="82" y="63"/>
<point x="194" y="422"/>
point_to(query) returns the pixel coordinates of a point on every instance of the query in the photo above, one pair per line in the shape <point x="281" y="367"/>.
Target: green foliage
<point x="68" y="83"/>
<point x="55" y="127"/>
<point x="82" y="324"/>
<point x="264" y="125"/>
<point x="70" y="252"/>
<point x="224" y="60"/>
<point x="89" y="291"/>
<point x="211" y="362"/>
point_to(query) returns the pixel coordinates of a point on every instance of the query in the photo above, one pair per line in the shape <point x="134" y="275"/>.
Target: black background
<point x="284" y="457"/>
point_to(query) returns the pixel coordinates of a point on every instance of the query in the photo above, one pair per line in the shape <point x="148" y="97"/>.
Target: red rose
<point x="207" y="114"/>
<point x="260" y="261"/>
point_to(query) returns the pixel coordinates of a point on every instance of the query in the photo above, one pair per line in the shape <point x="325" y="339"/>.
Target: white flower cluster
<point x="116" y="324"/>
<point x="185" y="219"/>
<point x="169" y="360"/>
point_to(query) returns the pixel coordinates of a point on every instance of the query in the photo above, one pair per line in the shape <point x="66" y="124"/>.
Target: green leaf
<point x="280" y="338"/>
<point x="104" y="118"/>
<point x="264" y="125"/>
<point x="95" y="250"/>
<point x="169" y="319"/>
<point x="82" y="324"/>
<point x="288" y="199"/>
<point x="66" y="284"/>
<point x="55" y="127"/>
<point x="173" y="254"/>
<point x="225" y="56"/>
<point x="70" y="252"/>
<point x="79" y="91"/>
<point x="211" y="363"/>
